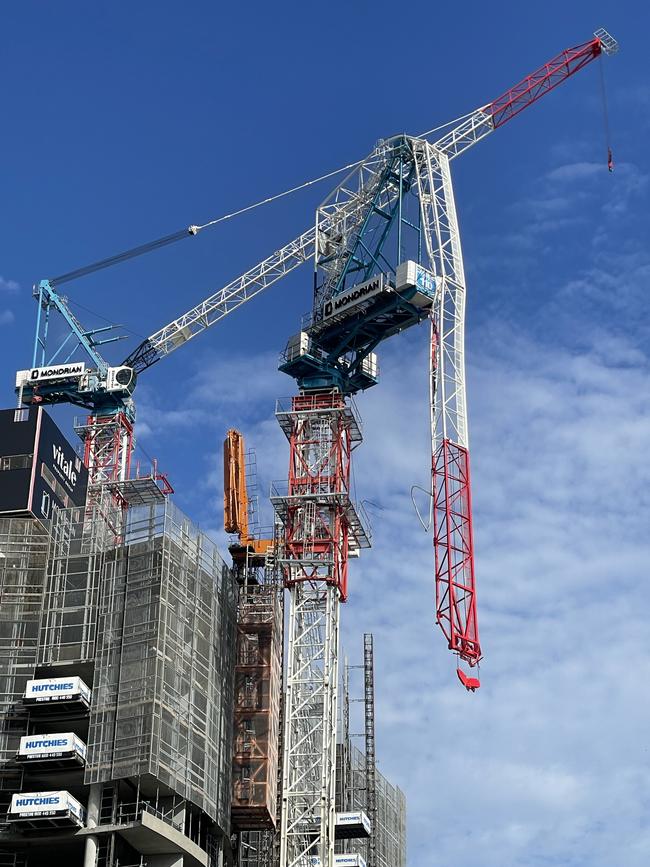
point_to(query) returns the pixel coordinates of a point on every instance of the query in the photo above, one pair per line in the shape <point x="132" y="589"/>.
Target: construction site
<point x="165" y="703"/>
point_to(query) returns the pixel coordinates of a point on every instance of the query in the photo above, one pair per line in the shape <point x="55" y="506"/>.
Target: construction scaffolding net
<point x="153" y="615"/>
<point x="163" y="686"/>
<point x="258" y="683"/>
<point x="390" y="804"/>
<point x="23" y="556"/>
<point x="79" y="540"/>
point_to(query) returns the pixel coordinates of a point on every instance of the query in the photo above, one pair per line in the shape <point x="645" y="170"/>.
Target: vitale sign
<point x="40" y="471"/>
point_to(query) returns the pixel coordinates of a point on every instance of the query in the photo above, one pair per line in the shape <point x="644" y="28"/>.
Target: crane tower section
<point x="322" y="529"/>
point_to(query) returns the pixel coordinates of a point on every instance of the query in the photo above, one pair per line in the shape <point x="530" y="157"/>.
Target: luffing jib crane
<point x="387" y="254"/>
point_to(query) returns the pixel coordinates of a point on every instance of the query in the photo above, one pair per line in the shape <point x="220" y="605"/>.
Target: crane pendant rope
<point x="193" y="230"/>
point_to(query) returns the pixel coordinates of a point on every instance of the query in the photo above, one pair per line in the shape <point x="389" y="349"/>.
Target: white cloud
<point x="542" y="765"/>
<point x="574" y="171"/>
<point x="547" y="763"/>
<point x="7" y="285"/>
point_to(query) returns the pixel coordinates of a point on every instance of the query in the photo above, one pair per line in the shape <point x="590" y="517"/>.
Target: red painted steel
<point x="103" y="444"/>
<point x="454" y="551"/>
<point x="542" y="80"/>
<point x="317" y="530"/>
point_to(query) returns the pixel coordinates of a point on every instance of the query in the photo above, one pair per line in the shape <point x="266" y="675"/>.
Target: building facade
<point x="390" y="814"/>
<point x="117" y="657"/>
<point x="141" y="679"/>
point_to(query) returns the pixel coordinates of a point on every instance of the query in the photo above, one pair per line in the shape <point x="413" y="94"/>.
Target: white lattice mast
<point x="321" y="526"/>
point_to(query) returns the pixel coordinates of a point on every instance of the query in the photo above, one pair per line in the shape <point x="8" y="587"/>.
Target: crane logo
<point x="353" y="296"/>
<point x="61" y="371"/>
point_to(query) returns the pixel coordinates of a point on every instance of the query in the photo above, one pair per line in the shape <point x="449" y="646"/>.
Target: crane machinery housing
<point x="387" y="255"/>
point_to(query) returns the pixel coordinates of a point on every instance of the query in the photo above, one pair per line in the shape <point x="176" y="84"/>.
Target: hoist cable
<point x="603" y="94"/>
<point x="73" y="303"/>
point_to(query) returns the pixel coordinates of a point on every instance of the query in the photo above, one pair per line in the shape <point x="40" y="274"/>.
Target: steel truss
<point x="369" y="721"/>
<point x="346" y="210"/>
<point x="321" y="526"/>
<point x="452" y="517"/>
<point x="108" y="446"/>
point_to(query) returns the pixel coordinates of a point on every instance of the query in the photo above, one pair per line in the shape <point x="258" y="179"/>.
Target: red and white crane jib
<point x="489" y="117"/>
<point x="549" y="76"/>
<point x="450" y="467"/>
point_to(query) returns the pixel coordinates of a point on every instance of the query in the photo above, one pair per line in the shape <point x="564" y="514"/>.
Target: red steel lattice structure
<point x="544" y="79"/>
<point x="108" y="447"/>
<point x="451" y="506"/>
<point x="454" y="551"/>
<point x="317" y="524"/>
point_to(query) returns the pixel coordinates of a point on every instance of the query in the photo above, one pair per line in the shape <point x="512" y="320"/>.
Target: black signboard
<point x="39" y="470"/>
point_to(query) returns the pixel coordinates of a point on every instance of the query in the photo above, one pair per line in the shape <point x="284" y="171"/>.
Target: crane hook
<point x="470" y="683"/>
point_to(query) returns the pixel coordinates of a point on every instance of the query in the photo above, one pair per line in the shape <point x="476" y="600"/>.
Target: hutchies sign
<point x="45" y="805"/>
<point x="57" y="689"/>
<point x="341" y="861"/>
<point x="41" y="748"/>
<point x="351" y="825"/>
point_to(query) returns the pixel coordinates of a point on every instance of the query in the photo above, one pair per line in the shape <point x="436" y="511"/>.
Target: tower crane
<point x="387" y="255"/>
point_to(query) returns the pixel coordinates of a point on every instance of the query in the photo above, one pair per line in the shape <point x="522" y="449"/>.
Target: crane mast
<point x="387" y="255"/>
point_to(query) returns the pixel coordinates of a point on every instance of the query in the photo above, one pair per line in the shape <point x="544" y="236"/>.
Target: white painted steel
<point x="344" y="209"/>
<point x="321" y="525"/>
<point x="440" y="224"/>
<point x="232" y="296"/>
<point x="609" y="44"/>
<point x="309" y="761"/>
<point x="465" y="134"/>
<point x="342" y="213"/>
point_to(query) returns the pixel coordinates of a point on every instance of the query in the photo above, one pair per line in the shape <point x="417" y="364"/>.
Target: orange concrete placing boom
<point x="236" y="503"/>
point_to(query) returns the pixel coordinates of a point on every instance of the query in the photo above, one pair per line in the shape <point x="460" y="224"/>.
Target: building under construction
<point x="141" y="676"/>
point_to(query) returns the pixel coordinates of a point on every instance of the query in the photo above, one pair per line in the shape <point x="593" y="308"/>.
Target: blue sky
<point x="124" y="122"/>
